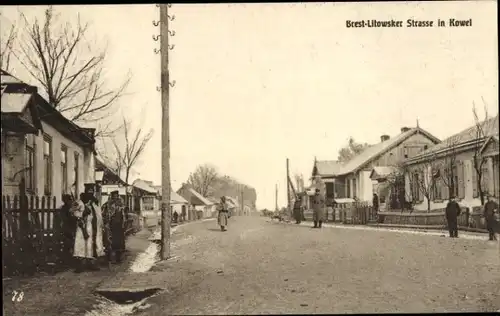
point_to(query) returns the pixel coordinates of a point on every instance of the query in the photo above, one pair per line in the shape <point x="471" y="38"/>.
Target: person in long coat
<point x="83" y="248"/>
<point x="298" y="210"/>
<point x="492" y="225"/>
<point x="65" y="222"/>
<point x="223" y="214"/>
<point x="97" y="225"/>
<point x="452" y="212"/>
<point x="113" y="213"/>
<point x="318" y="209"/>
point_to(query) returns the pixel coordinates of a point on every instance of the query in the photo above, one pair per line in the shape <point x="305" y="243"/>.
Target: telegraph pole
<point x="288" y="186"/>
<point x="242" y="204"/>
<point x="165" y="134"/>
<point x="276" y="198"/>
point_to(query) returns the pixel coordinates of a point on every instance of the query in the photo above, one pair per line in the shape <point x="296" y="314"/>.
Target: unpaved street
<point x="261" y="267"/>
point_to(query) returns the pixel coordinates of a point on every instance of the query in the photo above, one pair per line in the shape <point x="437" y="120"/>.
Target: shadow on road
<point x="215" y="229"/>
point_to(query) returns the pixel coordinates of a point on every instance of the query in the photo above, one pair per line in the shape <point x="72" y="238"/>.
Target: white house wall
<point x="469" y="200"/>
<point x="365" y="186"/>
<point x="85" y="168"/>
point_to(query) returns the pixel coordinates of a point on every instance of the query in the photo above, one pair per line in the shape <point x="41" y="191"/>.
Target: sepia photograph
<point x="250" y="158"/>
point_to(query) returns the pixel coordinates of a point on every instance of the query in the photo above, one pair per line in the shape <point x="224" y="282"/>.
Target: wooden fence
<point x="31" y="233"/>
<point x="468" y="218"/>
<point x="355" y="214"/>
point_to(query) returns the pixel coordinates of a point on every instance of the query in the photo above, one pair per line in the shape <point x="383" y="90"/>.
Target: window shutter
<point x="474" y="182"/>
<point x="461" y="182"/>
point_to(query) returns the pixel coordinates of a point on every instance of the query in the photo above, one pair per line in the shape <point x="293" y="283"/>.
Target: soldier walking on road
<point x="318" y="209"/>
<point x="492" y="224"/>
<point x="452" y="213"/>
<point x="223" y="212"/>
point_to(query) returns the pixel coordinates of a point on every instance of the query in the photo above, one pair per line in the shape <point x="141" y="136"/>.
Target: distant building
<point x="43" y="153"/>
<point x="198" y="201"/>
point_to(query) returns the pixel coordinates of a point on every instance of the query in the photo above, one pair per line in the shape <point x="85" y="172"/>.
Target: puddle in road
<point x="121" y="303"/>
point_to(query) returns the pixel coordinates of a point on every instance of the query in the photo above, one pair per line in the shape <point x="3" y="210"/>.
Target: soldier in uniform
<point x="318" y="209"/>
<point x="113" y="213"/>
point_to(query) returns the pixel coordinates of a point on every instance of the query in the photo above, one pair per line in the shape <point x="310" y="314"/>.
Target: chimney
<point x="383" y="138"/>
<point x="405" y="129"/>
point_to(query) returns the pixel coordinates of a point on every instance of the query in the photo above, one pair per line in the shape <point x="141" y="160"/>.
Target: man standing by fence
<point x="452" y="213"/>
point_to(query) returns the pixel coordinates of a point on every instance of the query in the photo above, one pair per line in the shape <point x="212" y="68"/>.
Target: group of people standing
<point x="318" y="207"/>
<point x="92" y="232"/>
<point x="490" y="213"/>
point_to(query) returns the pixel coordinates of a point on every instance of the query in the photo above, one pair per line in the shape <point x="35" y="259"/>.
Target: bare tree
<point x="424" y="177"/>
<point x="448" y="172"/>
<point x="64" y="63"/>
<point x="129" y="151"/>
<point x="203" y="178"/>
<point x="480" y="132"/>
<point x="6" y="44"/>
<point x="351" y="149"/>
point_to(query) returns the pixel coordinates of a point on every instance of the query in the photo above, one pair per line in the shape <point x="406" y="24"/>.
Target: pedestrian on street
<point x="490" y="211"/>
<point x="114" y="227"/>
<point x="83" y="237"/>
<point x="66" y="223"/>
<point x="97" y="223"/>
<point x="318" y="209"/>
<point x="183" y="214"/>
<point x="298" y="209"/>
<point x="175" y="217"/>
<point x="452" y="213"/>
<point x="223" y="213"/>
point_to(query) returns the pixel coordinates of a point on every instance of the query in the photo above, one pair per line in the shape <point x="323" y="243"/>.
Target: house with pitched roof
<point x="449" y="168"/>
<point x="198" y="201"/>
<point x="352" y="178"/>
<point x="43" y="153"/>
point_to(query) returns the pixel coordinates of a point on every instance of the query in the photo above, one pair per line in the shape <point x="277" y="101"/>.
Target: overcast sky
<point x="258" y="83"/>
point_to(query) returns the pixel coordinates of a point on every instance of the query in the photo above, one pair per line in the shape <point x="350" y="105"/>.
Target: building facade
<point x="451" y="169"/>
<point x="43" y="153"/>
<point x="352" y="178"/>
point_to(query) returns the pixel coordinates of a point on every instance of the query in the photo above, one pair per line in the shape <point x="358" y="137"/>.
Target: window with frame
<point x="438" y="188"/>
<point x="47" y="164"/>
<point x="415" y="187"/>
<point x="485" y="179"/>
<point x="64" y="169"/>
<point x="348" y="188"/>
<point x="29" y="176"/>
<point x="76" y="166"/>
<point x="354" y="188"/>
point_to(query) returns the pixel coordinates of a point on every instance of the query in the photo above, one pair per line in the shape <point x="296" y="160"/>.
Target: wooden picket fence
<point x="31" y="234"/>
<point x="353" y="213"/>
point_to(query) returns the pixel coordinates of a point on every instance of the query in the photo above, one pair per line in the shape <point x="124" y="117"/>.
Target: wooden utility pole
<point x="242" y="204"/>
<point x="289" y="203"/>
<point x="276" y="199"/>
<point x="165" y="135"/>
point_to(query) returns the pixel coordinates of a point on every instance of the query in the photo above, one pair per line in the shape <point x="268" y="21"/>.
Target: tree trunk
<point x="428" y="204"/>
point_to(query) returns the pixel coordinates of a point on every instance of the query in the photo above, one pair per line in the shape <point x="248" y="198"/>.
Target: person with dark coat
<point x="298" y="210"/>
<point x="375" y="202"/>
<point x="113" y="213"/>
<point x="65" y="222"/>
<point x="452" y="213"/>
<point x="492" y="224"/>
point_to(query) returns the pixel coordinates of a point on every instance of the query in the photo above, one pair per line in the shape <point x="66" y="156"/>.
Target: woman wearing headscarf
<point x="223" y="213"/>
